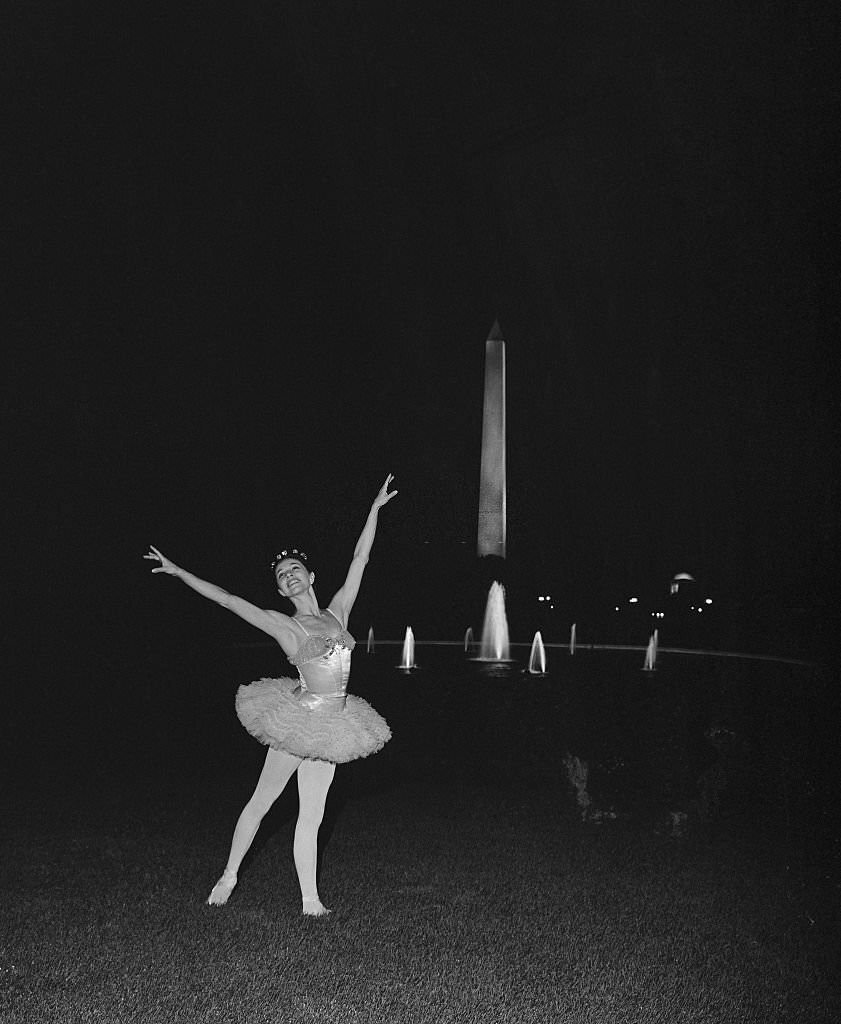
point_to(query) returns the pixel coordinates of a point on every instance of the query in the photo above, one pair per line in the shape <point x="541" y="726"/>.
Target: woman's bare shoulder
<point x="279" y="619"/>
<point x="281" y="628"/>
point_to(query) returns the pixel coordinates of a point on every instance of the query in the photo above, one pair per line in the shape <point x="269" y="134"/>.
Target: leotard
<point x="323" y="664"/>
<point x="314" y="716"/>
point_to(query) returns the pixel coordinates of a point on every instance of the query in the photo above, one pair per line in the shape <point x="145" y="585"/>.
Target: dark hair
<point x="299" y="556"/>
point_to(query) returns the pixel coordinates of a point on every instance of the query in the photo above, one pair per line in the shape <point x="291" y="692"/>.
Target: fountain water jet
<point x="572" y="639"/>
<point x="370" y="648"/>
<point x="495" y="645"/>
<point x="468" y="639"/>
<point x="537" y="658"/>
<point x="408" y="660"/>
<point x="650" y="654"/>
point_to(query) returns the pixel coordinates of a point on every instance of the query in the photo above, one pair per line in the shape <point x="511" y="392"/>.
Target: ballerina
<point x="310" y="724"/>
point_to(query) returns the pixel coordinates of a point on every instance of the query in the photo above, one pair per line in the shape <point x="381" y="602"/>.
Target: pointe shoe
<point x="222" y="890"/>
<point x="314" y="907"/>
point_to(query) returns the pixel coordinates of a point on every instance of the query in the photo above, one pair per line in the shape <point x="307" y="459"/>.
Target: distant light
<point x="540" y="598"/>
<point x="700" y="610"/>
<point x="708" y="600"/>
<point x="633" y="600"/>
<point x="616" y="609"/>
<point x="551" y="606"/>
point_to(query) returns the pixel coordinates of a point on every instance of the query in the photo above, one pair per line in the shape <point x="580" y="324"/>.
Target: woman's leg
<point x="277" y="771"/>
<point x="314" y="778"/>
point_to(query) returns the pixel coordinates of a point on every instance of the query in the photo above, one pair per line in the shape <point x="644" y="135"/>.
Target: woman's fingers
<point x="165" y="566"/>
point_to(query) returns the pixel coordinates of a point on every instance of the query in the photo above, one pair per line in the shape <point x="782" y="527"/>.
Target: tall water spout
<point x="650" y="655"/>
<point x="537" y="658"/>
<point x="495" y="646"/>
<point x="572" y="639"/>
<point x="408" y="660"/>
<point x="370" y="648"/>
<point x="468" y="639"/>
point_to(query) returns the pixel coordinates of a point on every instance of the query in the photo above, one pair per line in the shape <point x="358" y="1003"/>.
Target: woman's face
<point x="292" y="577"/>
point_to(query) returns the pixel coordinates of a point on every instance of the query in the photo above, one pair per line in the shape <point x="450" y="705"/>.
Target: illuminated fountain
<point x="468" y="639"/>
<point x="370" y="648"/>
<point x="572" y="639"/>
<point x="537" y="658"/>
<point x="650" y="654"/>
<point x="495" y="645"/>
<point x="408" y="660"/>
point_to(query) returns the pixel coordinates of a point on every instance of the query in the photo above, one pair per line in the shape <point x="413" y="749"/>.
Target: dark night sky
<point x="256" y="249"/>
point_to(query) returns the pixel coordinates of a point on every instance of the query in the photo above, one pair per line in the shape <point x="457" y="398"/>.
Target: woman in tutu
<point x="311" y="723"/>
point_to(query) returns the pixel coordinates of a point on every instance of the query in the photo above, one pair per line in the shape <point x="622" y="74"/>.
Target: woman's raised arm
<point x="270" y="622"/>
<point x="344" y="598"/>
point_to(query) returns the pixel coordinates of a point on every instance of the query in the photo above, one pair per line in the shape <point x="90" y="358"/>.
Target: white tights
<point x="314" y="778"/>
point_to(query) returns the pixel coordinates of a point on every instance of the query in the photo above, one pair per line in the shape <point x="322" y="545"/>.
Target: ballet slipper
<point x="314" y="907"/>
<point x="222" y="890"/>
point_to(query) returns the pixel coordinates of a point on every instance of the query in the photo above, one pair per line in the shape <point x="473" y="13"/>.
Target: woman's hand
<point x="384" y="495"/>
<point x="166" y="566"/>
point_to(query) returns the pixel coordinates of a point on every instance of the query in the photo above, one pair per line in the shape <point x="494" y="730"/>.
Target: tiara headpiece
<point x="290" y="553"/>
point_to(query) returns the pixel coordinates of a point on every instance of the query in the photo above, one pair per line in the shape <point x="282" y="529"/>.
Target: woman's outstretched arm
<point x="269" y="621"/>
<point x="345" y="597"/>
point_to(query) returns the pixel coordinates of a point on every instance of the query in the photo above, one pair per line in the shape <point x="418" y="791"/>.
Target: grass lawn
<point x="465" y="887"/>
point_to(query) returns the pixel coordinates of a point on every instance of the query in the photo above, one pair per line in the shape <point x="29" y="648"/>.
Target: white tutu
<point x="276" y="716"/>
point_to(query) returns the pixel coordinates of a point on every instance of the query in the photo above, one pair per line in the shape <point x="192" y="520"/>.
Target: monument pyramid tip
<point x="496" y="332"/>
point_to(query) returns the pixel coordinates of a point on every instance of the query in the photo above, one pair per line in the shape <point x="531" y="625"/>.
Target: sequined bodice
<point x="321" y="647"/>
<point x="323" y="662"/>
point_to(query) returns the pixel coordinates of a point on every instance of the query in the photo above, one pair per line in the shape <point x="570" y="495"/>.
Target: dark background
<point x="254" y="251"/>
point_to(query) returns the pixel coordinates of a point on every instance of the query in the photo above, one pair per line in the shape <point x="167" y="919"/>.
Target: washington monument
<point x="492" y="473"/>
